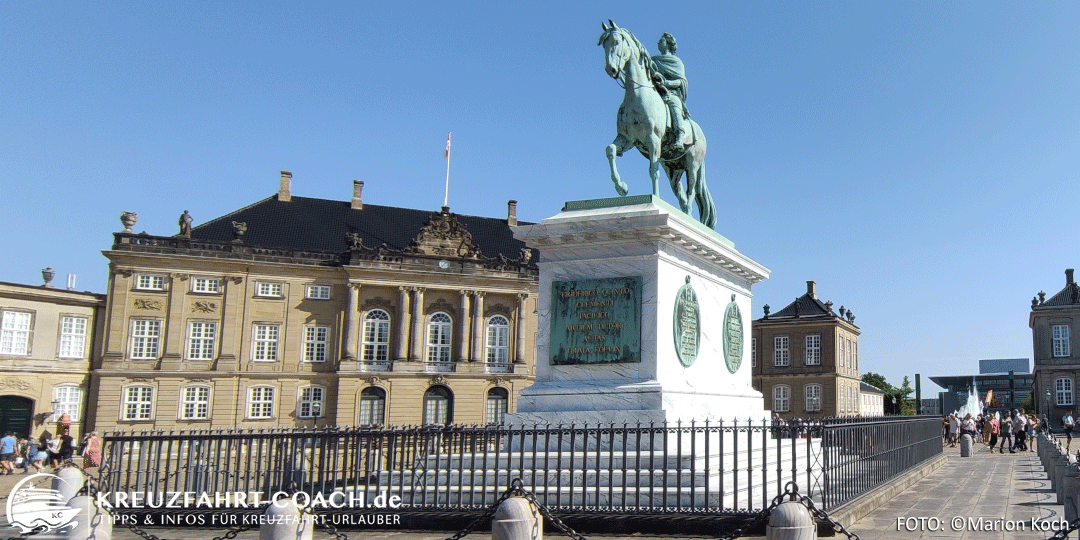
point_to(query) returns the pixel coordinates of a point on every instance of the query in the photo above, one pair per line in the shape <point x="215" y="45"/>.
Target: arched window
<point x="438" y="405"/>
<point x="376" y="344"/>
<point x="138" y="403"/>
<point x="439" y="334"/>
<point x="195" y="402"/>
<point x="498" y="400"/>
<point x="1064" y="391"/>
<point x="372" y="406"/>
<point x="813" y="397"/>
<point x="498" y="340"/>
<point x="781" y="398"/>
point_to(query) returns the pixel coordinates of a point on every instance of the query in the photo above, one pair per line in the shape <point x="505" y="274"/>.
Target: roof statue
<point x="653" y="118"/>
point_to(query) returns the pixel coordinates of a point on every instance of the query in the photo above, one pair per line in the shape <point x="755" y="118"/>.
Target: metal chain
<point x="1064" y="533"/>
<point x="325" y="525"/>
<point x="792" y="490"/>
<point x="547" y="514"/>
<point x="516" y="487"/>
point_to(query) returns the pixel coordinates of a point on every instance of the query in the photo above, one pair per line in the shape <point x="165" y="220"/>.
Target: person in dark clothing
<point x="67" y="447"/>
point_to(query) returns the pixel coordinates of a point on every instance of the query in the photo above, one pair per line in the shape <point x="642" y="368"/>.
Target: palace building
<point x="1053" y="322"/>
<point x="47" y="342"/>
<point x="809" y="364"/>
<point x="303" y="312"/>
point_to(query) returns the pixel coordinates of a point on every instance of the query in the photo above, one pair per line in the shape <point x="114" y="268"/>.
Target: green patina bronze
<point x="687" y="324"/>
<point x="596" y="321"/>
<point x="733" y="336"/>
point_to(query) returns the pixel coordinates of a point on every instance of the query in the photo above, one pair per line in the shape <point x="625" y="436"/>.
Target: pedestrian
<point x="1019" y="426"/>
<point x="1067" y="422"/>
<point x="954" y="429"/>
<point x="1033" y="426"/>
<point x="92" y="451"/>
<point x="67" y="447"/>
<point x="1006" y="435"/>
<point x="7" y="453"/>
<point x="52" y="446"/>
<point x="993" y="431"/>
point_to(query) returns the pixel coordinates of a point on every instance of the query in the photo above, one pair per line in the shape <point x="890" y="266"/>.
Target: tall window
<point x="1064" y="391"/>
<point x="138" y="403"/>
<point x="260" y="402"/>
<point x="150" y="283"/>
<point x="376" y="345"/>
<point x="15" y="333"/>
<point x="1061" y="340"/>
<point x="72" y="337"/>
<point x="372" y="406"/>
<point x="780" y="351"/>
<point x="813" y="397"/>
<point x="195" y="403"/>
<point x="438" y="342"/>
<point x="315" y="338"/>
<point x="498" y="401"/>
<point x="753" y="352"/>
<point x="498" y="340"/>
<point x="781" y="398"/>
<point x="438" y="405"/>
<point x="201" y="337"/>
<point x="68" y="399"/>
<point x="850" y="351"/>
<point x="311" y="401"/>
<point x="264" y="346"/>
<point x="813" y="350"/>
<point x="843" y="351"/>
<point x="145" y="339"/>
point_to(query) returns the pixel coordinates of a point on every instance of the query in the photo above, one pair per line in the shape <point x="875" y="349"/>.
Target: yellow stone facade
<point x="209" y="334"/>
<point x="46" y="347"/>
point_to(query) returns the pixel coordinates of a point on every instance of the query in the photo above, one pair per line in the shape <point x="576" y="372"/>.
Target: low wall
<point x="860" y="507"/>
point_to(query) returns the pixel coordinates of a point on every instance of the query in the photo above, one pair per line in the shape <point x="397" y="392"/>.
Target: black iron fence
<point x="685" y="468"/>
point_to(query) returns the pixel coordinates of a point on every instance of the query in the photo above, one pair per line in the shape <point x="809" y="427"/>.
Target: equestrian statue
<point x="653" y="118"/>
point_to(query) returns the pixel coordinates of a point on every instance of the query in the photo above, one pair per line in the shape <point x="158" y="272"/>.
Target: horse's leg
<point x="654" y="162"/>
<point x="675" y="177"/>
<point x="616" y="148"/>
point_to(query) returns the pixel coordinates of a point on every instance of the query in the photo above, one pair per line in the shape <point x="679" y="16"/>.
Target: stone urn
<point x="48" y="274"/>
<point x="129" y="219"/>
<point x="239" y="228"/>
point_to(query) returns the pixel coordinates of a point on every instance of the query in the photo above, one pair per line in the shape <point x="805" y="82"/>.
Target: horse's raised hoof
<point x="621" y="188"/>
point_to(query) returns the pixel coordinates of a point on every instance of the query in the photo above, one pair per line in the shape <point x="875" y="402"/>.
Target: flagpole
<point x="446" y="196"/>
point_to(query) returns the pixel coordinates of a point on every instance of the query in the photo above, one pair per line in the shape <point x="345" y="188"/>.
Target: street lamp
<point x="1047" y="411"/>
<point x="316" y="410"/>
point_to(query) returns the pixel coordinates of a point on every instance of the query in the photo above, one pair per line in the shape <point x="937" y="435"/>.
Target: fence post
<point x="1061" y="463"/>
<point x="68" y="482"/>
<point x="516" y="519"/>
<point x="285" y="521"/>
<point x="791" y="520"/>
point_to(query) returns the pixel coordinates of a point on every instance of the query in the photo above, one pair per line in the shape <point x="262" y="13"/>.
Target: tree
<point x="907" y="405"/>
<point x="877" y="381"/>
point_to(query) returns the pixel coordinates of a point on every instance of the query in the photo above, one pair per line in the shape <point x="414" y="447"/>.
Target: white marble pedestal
<point x="643" y="236"/>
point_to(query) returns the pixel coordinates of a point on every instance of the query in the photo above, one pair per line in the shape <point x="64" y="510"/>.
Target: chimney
<point x="511" y="213"/>
<point x="1069" y="276"/>
<point x="811" y="289"/>
<point x="283" y="193"/>
<point x="357" y="187"/>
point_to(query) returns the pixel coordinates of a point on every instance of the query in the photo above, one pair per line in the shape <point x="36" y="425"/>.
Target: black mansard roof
<point x="1069" y="296"/>
<point x="808" y="306"/>
<point x="310" y="224"/>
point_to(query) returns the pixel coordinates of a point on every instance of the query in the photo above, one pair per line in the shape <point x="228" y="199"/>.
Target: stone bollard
<point x="791" y="521"/>
<point x="1071" y="485"/>
<point x="68" y="482"/>
<point x="285" y="521"/>
<point x="1060" y="465"/>
<point x="94" y="523"/>
<point x="965" y="445"/>
<point x="516" y="519"/>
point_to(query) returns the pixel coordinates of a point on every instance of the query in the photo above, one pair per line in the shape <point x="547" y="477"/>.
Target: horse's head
<point x="618" y="49"/>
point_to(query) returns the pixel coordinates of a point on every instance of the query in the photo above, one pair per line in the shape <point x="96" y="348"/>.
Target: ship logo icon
<point x="34" y="509"/>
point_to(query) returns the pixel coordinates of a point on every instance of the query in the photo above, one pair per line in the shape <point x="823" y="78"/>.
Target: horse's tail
<point x="706" y="208"/>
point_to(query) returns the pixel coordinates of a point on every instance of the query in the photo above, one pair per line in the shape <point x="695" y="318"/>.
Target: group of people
<point x="48" y="450"/>
<point x="1015" y="430"/>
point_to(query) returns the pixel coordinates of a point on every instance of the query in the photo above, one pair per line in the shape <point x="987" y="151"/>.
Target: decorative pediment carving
<point x="377" y="303"/>
<point x="148" y="304"/>
<point x="444" y="236"/>
<point x="437" y="380"/>
<point x="441" y="305"/>
<point x="499" y="309"/>
<point x="201" y="306"/>
<point x="374" y="380"/>
<point x="14" y="383"/>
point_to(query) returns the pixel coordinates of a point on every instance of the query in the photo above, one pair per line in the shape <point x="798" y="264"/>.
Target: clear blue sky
<point x="919" y="160"/>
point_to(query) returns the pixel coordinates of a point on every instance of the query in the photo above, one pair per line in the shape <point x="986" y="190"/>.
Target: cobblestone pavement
<point x="988" y="496"/>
